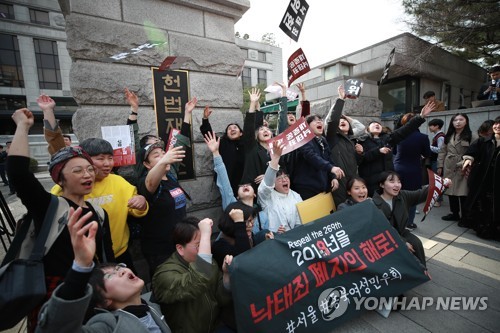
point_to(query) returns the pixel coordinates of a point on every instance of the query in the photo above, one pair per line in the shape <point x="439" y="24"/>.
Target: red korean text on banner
<point x="297" y="66"/>
<point x="294" y="137"/>
<point x="294" y="17"/>
<point x="436" y="189"/>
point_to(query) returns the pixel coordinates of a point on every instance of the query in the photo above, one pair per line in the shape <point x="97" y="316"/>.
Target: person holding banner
<point x="395" y="204"/>
<point x="357" y="192"/>
<point x="314" y="171"/>
<point x="339" y="134"/>
<point x="189" y="286"/>
<point x="276" y="197"/>
<point x="377" y="147"/>
<point x="484" y="181"/>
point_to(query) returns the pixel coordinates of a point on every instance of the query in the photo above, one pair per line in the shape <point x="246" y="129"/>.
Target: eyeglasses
<point x="115" y="271"/>
<point x="282" y="177"/>
<point x="194" y="246"/>
<point x="80" y="171"/>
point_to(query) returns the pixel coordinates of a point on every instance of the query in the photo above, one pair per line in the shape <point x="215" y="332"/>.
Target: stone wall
<point x="202" y="30"/>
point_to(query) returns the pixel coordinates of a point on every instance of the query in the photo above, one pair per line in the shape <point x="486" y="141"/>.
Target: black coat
<point x="373" y="162"/>
<point x="343" y="152"/>
<point x="485" y="173"/>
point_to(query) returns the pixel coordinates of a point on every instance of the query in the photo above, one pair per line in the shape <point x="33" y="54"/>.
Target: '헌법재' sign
<point x="171" y="93"/>
<point x="307" y="279"/>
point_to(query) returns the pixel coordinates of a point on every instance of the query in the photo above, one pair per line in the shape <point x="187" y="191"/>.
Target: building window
<point x="331" y="72"/>
<point x="399" y="96"/>
<point x="262" y="77"/>
<point x="11" y="73"/>
<point x="7" y="11"/>
<point x="262" y="56"/>
<point x="39" y="17"/>
<point x="47" y="61"/>
<point x="246" y="77"/>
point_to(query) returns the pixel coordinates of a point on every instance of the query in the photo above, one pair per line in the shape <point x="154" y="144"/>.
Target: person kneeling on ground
<point x="395" y="204"/>
<point x="114" y="289"/>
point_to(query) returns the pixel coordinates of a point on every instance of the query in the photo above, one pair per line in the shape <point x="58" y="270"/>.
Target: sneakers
<point x="417" y="211"/>
<point x="411" y="226"/>
<point x="437" y="204"/>
<point x="451" y="217"/>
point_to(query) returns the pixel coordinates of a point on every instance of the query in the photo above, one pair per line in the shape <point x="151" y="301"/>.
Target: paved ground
<point x="460" y="263"/>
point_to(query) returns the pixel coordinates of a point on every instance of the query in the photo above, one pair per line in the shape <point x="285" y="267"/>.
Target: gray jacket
<point x="60" y="315"/>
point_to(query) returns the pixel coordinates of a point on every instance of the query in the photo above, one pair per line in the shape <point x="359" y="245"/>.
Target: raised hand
<point x="341" y="92"/>
<point x="132" y="99"/>
<point x="82" y="236"/>
<point x="212" y="142"/>
<point x="46" y="103"/>
<point x="254" y="95"/>
<point x="427" y="109"/>
<point x="283" y="88"/>
<point x="205" y="226"/>
<point x="191" y="105"/>
<point x="23" y="117"/>
<point x="237" y="215"/>
<point x="173" y="155"/>
<point x="207" y="111"/>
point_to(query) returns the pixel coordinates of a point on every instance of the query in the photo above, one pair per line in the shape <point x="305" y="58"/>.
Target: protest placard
<point x="293" y="137"/>
<point x="297" y="66"/>
<point x="385" y="74"/>
<point x="122" y="141"/>
<point x="352" y="88"/>
<point x="309" y="278"/>
<point x="436" y="189"/>
<point x="171" y="93"/>
<point x="294" y="17"/>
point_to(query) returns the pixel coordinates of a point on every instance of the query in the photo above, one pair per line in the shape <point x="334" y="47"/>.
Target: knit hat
<point x="59" y="160"/>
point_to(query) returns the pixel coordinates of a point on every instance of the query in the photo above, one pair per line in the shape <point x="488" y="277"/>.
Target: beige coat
<point x="450" y="159"/>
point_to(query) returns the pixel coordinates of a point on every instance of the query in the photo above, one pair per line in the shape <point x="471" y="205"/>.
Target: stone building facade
<point x="201" y="30"/>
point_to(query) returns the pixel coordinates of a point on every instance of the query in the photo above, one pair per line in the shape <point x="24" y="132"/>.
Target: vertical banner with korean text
<point x="317" y="273"/>
<point x="436" y="189"/>
<point x="171" y="93"/>
<point x="385" y="73"/>
<point x="297" y="66"/>
<point x="294" y="17"/>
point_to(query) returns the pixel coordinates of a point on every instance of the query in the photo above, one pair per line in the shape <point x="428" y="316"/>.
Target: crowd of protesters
<point x="89" y="264"/>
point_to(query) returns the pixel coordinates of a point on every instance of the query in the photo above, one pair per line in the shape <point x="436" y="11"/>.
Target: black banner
<point x="309" y="278"/>
<point x="385" y="74"/>
<point x="171" y="93"/>
<point x="294" y="17"/>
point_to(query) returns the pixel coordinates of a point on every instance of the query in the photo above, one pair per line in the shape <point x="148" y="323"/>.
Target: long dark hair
<point x="466" y="132"/>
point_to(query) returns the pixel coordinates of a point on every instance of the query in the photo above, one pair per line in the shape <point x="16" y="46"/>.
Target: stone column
<point x="202" y="30"/>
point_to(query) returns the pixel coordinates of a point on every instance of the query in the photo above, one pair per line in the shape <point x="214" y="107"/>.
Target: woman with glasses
<point x="276" y="198"/>
<point x="73" y="170"/>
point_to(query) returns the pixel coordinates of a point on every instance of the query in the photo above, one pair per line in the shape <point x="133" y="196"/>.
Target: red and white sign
<point x="436" y="189"/>
<point x="293" y="137"/>
<point x="297" y="66"/>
